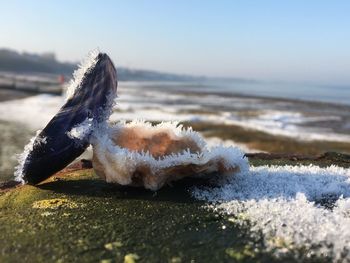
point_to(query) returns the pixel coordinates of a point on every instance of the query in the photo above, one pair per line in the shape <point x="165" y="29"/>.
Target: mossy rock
<point x="78" y="217"/>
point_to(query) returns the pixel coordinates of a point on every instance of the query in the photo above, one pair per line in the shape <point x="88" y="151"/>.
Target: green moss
<point x="131" y="258"/>
<point x="54" y="203"/>
<point x="21" y="197"/>
<point x="245" y="254"/>
<point x="328" y="159"/>
<point x="113" y="245"/>
<point x="77" y="217"/>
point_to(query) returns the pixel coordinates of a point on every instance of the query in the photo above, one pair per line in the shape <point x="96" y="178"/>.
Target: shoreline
<point x="17" y="93"/>
<point x="8" y="94"/>
<point x="175" y="87"/>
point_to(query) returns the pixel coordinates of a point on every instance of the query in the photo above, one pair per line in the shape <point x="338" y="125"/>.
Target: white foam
<point x="134" y="103"/>
<point x="159" y="105"/>
<point x="35" y="111"/>
<point x="284" y="204"/>
<point x="273" y="126"/>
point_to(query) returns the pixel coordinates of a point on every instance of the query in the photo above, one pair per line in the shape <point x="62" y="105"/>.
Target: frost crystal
<point x="84" y="67"/>
<point x="140" y="154"/>
<point x="305" y="207"/>
<point x="25" y="154"/>
<point x="82" y="130"/>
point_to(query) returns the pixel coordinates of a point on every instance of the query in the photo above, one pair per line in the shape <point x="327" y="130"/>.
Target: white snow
<point x="286" y="204"/>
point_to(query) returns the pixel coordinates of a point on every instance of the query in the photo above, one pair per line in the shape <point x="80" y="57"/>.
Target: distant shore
<point x="184" y="87"/>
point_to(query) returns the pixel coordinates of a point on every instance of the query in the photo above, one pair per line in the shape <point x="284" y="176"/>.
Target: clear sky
<point x="306" y="40"/>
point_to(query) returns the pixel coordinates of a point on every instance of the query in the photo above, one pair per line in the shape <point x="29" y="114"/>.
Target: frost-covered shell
<point x="90" y="98"/>
<point x="140" y="154"/>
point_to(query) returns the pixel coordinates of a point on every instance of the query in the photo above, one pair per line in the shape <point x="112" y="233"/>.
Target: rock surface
<point x="74" y="216"/>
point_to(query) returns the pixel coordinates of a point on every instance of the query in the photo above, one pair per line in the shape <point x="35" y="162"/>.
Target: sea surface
<point x="307" y="92"/>
<point x="338" y="94"/>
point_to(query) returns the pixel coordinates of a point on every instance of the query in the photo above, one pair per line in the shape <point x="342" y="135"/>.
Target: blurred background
<point x="269" y="76"/>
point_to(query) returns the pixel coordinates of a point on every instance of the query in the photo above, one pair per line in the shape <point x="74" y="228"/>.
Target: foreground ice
<point x="293" y="208"/>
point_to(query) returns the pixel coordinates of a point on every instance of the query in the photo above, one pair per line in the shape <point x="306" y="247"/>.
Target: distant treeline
<point x="15" y="62"/>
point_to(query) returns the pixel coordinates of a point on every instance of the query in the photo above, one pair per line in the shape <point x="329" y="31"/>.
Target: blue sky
<point x="274" y="40"/>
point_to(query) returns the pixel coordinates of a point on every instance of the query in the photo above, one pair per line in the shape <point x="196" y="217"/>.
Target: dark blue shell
<point x="92" y="99"/>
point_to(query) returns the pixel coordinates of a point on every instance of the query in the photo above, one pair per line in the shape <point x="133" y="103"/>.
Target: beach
<point x="253" y="123"/>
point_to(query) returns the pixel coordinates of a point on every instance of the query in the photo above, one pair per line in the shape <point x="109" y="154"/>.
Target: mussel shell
<point x="53" y="148"/>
